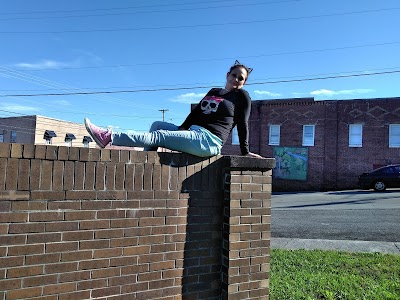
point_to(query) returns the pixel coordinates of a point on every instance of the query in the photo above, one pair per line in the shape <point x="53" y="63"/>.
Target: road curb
<point x="340" y="245"/>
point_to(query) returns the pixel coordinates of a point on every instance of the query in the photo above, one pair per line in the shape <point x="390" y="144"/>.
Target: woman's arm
<point x="243" y="126"/>
<point x="242" y="114"/>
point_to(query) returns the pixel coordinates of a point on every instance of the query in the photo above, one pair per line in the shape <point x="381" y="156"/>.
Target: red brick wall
<point x="78" y="223"/>
<point x="375" y="115"/>
<point x="332" y="163"/>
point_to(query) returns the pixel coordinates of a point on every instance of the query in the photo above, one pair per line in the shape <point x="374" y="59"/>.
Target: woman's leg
<point x="160" y="125"/>
<point x="197" y="140"/>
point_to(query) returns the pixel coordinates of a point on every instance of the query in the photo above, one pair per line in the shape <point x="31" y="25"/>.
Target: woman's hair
<point x="237" y="64"/>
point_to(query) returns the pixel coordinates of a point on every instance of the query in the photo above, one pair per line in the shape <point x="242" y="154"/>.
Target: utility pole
<point x="163" y="113"/>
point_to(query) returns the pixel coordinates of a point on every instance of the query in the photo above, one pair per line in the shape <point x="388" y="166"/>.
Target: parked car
<point x="381" y="178"/>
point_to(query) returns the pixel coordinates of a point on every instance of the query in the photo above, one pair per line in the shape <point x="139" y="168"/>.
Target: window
<point x="235" y="136"/>
<point x="274" y="134"/>
<point x="13" y="138"/>
<point x="1" y="137"/>
<point x="68" y="139"/>
<point x="308" y="135"/>
<point x="86" y="140"/>
<point x="394" y="135"/>
<point x="355" y="135"/>
<point x="385" y="171"/>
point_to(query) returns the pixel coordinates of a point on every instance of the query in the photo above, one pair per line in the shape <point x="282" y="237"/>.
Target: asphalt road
<point x="343" y="215"/>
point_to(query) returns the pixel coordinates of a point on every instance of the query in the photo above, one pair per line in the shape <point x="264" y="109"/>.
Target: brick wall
<point x="375" y="115"/>
<point x="332" y="164"/>
<point x="79" y="223"/>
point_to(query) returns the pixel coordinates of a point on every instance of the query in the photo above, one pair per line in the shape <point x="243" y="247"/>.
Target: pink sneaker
<point x="101" y="136"/>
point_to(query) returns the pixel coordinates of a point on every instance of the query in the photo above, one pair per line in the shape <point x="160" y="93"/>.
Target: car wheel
<point x="379" y="186"/>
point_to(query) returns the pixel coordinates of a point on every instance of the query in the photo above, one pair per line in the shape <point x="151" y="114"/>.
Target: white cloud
<point x="87" y="56"/>
<point x="44" y="64"/>
<point x="18" y="108"/>
<point x="300" y="94"/>
<point x="324" y="92"/>
<point x="84" y="58"/>
<point x="188" y="98"/>
<point x="62" y="102"/>
<point x="266" y="93"/>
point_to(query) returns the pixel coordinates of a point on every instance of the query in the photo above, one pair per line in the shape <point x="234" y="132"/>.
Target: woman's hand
<point x="250" y="154"/>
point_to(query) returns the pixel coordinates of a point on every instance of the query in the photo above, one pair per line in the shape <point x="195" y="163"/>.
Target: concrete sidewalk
<point x="340" y="245"/>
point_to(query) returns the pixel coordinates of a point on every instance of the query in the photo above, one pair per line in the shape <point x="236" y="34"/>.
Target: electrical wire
<point x="41" y="81"/>
<point x="202" y="25"/>
<point x="215" y="59"/>
<point x="209" y="83"/>
<point x="48" y="83"/>
<point x="199" y="87"/>
<point x="150" y="12"/>
<point x="119" y="8"/>
<point x="280" y="81"/>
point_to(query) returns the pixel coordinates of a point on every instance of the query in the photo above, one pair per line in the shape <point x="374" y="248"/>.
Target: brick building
<point x="323" y="145"/>
<point x="39" y="130"/>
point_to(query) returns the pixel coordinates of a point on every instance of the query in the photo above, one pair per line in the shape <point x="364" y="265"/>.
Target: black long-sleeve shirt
<point x="220" y="113"/>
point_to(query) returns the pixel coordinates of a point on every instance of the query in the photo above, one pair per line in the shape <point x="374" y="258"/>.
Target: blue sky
<point x="59" y="47"/>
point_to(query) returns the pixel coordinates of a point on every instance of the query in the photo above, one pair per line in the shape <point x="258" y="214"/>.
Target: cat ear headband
<point x="249" y="70"/>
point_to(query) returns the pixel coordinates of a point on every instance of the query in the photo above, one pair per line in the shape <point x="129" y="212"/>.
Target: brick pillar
<point x="246" y="230"/>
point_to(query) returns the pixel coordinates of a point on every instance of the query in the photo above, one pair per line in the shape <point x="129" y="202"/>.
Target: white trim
<point x="394" y="135"/>
<point x="274" y="135"/>
<point x="355" y="135"/>
<point x="308" y="135"/>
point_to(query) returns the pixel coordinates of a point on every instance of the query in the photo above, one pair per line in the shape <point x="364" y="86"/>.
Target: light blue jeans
<point x="196" y="141"/>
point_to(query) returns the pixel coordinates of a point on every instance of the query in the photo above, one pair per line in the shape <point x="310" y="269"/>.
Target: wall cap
<point x="248" y="163"/>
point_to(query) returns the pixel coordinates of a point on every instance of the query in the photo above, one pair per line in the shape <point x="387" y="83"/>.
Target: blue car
<point x="381" y="178"/>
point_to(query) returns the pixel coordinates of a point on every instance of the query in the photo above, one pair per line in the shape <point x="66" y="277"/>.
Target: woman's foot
<point x="101" y="136"/>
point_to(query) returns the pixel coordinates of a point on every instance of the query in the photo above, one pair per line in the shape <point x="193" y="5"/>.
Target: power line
<point x="201" y="25"/>
<point x="216" y="59"/>
<point x="199" y="87"/>
<point x="118" y="8"/>
<point x="208" y="83"/>
<point x="136" y="117"/>
<point x="41" y="81"/>
<point x="149" y="12"/>
<point x="48" y="83"/>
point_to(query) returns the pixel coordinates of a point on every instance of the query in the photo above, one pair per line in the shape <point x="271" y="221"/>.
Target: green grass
<point x="333" y="275"/>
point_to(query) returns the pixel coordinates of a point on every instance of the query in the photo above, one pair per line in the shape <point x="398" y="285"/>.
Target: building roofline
<point x="40" y="116"/>
<point x="273" y="101"/>
<point x="312" y="100"/>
